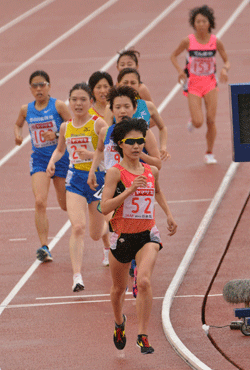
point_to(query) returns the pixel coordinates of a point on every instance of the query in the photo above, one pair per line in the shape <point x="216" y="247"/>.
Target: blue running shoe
<point x="132" y="267"/>
<point x="43" y="254"/>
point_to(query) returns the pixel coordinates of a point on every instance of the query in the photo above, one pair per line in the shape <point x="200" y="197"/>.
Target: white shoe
<point x="105" y="260"/>
<point x="209" y="159"/>
<point x="77" y="283"/>
<point x="190" y="126"/>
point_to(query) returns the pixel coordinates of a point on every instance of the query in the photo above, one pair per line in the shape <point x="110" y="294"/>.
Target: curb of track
<point x="173" y="339"/>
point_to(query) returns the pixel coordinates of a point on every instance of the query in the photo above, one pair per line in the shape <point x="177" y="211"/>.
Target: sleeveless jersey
<point x="142" y="111"/>
<point x="81" y="137"/>
<point x="136" y="213"/>
<point x="111" y="156"/>
<point x="93" y="112"/>
<point x="201" y="58"/>
<point x="48" y="119"/>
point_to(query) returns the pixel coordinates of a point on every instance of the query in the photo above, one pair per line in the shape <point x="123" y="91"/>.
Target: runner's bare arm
<point x="98" y="157"/>
<point x="184" y="45"/>
<point x="58" y="152"/>
<point x="19" y="124"/>
<point x="226" y="66"/>
<point x="153" y="156"/>
<point x="161" y="200"/>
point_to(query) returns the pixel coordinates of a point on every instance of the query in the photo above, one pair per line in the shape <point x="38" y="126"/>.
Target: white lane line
<point x="27" y="210"/>
<point x="31" y="305"/>
<point x="58" y="208"/>
<point x="17" y="240"/>
<point x="31" y="270"/>
<point x="63" y="37"/>
<point x="189" y="201"/>
<point x="25" y="15"/>
<point x="14" y="150"/>
<point x="127" y="293"/>
<point x="104" y="68"/>
<point x="172" y="337"/>
<point x="198" y="296"/>
<point x="78" y="296"/>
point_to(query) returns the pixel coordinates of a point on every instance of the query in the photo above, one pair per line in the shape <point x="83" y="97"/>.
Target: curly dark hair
<point x="117" y="91"/>
<point x="126" y="125"/>
<point x="206" y="12"/>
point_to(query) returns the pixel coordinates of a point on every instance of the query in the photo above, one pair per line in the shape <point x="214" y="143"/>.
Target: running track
<point x="45" y="326"/>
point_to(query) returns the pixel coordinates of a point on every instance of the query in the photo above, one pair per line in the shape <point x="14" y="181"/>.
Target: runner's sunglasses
<point x="39" y="84"/>
<point x="132" y="141"/>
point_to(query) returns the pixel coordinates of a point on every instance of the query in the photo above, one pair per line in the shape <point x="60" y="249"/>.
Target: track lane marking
<point x="31" y="305"/>
<point x="25" y="15"/>
<point x="58" y="208"/>
<point x="32" y="269"/>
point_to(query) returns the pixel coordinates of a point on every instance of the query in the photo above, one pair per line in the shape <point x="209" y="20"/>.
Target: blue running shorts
<point x="39" y="163"/>
<point x="76" y="182"/>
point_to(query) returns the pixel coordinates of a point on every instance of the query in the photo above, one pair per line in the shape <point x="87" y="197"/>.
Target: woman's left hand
<point x="172" y="226"/>
<point x="223" y="75"/>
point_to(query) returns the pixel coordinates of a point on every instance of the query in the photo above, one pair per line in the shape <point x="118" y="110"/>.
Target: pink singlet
<point x="200" y="67"/>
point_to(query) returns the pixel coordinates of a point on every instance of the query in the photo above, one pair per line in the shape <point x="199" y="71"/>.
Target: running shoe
<point x="105" y="260"/>
<point x="119" y="335"/>
<point x="209" y="159"/>
<point x="142" y="342"/>
<point x="43" y="254"/>
<point x="135" y="289"/>
<point x="190" y="126"/>
<point x="77" y="283"/>
<point x="132" y="267"/>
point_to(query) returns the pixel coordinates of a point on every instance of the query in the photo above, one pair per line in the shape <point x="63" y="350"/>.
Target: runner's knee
<point x="143" y="283"/>
<point x="197" y="122"/>
<point x="40" y="204"/>
<point x="78" y="229"/>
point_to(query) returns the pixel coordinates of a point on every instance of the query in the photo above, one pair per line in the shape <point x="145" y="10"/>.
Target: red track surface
<point x="77" y="333"/>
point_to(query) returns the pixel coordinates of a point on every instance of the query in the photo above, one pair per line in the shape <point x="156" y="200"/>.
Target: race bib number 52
<point x="140" y="204"/>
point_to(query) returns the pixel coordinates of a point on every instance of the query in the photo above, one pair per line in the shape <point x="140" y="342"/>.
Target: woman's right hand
<point x="92" y="181"/>
<point x="18" y="140"/>
<point x="51" y="169"/>
<point x="139" y="182"/>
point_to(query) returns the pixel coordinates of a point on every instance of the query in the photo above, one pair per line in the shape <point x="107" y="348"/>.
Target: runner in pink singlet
<point x="199" y="77"/>
<point x="200" y="67"/>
